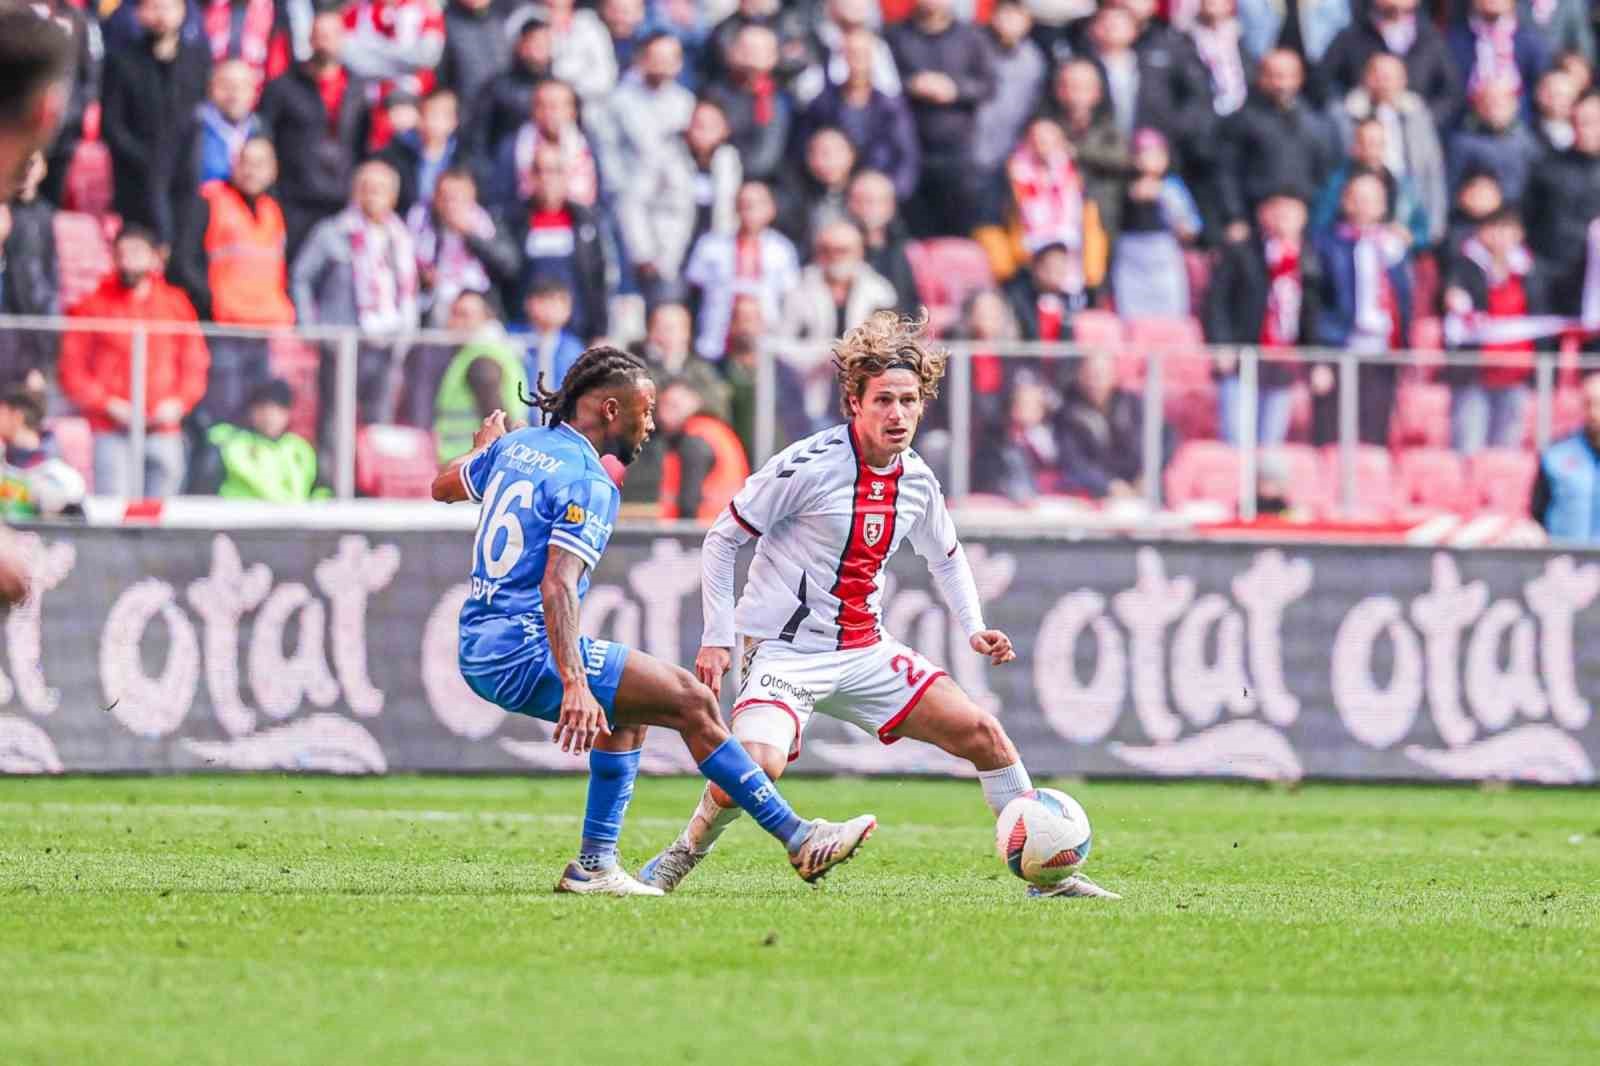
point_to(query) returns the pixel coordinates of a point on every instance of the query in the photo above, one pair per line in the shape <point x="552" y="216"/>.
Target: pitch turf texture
<point x="406" y="920"/>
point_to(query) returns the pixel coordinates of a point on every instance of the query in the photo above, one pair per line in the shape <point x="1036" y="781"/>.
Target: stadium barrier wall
<point x="171" y="650"/>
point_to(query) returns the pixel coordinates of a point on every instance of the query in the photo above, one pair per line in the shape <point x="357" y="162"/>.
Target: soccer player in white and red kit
<point x="826" y="513"/>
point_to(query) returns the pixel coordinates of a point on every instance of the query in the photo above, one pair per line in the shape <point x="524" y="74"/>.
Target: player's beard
<point x="624" y="452"/>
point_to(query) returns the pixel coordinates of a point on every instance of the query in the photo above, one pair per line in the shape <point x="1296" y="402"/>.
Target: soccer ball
<point x="1044" y="836"/>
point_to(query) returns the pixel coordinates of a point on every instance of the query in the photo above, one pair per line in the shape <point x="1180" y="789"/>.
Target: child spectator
<point x="551" y="347"/>
<point x="259" y="459"/>
<point x="1159" y="217"/>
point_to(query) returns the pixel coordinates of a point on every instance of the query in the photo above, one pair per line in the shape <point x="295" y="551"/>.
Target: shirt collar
<point x="587" y="443"/>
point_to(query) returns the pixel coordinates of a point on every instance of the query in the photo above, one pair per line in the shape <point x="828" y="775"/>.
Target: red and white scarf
<point x="1219" y="49"/>
<point x="1280" y="326"/>
<point x="1049" y="198"/>
<point x="385" y="269"/>
<point x="1377" y="309"/>
<point x="583" y="182"/>
<point x="1494" y="51"/>
<point x="455" y="268"/>
<point x="255" y="33"/>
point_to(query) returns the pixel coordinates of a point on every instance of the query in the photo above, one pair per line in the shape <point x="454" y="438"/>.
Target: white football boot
<point x="830" y="844"/>
<point x="672" y="865"/>
<point x="613" y="882"/>
<point x="1077" y="886"/>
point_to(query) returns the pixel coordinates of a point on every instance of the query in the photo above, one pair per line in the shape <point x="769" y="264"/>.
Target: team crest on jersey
<point x="872" y="528"/>
<point x="875" y="492"/>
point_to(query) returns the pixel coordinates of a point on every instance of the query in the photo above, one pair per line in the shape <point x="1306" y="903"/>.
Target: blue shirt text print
<point x="539" y="487"/>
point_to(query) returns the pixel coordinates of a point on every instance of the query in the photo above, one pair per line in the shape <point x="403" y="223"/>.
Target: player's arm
<point x="582" y="720"/>
<point x="764" y="501"/>
<point x="936" y="541"/>
<point x="452" y="484"/>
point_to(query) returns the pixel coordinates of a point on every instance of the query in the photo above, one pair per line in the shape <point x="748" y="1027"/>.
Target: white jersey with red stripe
<point x="825" y="524"/>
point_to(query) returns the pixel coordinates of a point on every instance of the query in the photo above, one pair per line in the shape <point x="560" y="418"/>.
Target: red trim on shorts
<point x="894" y="723"/>
<point x="794" y="750"/>
<point x="860" y="562"/>
<point x="739" y="518"/>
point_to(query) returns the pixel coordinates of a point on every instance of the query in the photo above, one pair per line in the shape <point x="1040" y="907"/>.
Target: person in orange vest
<point x="704" y="464"/>
<point x="230" y="259"/>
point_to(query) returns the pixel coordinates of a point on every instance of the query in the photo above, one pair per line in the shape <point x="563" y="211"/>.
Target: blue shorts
<point x="533" y="687"/>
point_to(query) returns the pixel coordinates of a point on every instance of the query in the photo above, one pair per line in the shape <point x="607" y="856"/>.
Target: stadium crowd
<point x="697" y="177"/>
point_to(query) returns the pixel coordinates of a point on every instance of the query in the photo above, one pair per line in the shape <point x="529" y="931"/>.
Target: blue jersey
<point x="539" y="487"/>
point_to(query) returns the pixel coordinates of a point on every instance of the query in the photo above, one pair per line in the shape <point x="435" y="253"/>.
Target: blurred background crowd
<point x="697" y="179"/>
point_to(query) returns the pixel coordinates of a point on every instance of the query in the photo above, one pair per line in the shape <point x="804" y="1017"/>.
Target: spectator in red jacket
<point x="96" y="370"/>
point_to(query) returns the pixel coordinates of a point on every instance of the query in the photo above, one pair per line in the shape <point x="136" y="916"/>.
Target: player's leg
<point x="613" y="766"/>
<point x="768" y="745"/>
<point x="946" y="717"/>
<point x="651" y="692"/>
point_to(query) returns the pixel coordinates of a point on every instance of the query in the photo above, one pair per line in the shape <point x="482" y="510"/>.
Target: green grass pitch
<point x="409" y="920"/>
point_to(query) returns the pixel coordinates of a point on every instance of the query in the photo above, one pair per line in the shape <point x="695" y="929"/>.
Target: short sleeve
<point x="475" y="471"/>
<point x="584" y="514"/>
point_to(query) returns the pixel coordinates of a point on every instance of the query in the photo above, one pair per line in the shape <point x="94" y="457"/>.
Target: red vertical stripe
<point x="873" y="505"/>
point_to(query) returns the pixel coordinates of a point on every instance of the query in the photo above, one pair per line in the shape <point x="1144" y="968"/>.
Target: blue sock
<point x="731" y="769"/>
<point x="611" y="775"/>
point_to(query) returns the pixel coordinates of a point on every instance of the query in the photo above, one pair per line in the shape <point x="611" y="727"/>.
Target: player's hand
<point x="710" y="665"/>
<point x="582" y="721"/>
<point x="995" y="644"/>
<point x="493" y="428"/>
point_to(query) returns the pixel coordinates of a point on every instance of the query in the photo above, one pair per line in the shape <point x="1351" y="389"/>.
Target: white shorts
<point x="873" y="688"/>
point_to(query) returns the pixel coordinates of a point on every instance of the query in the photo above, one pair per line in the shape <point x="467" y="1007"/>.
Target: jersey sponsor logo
<point x="526" y="458"/>
<point x="596" y="530"/>
<point x="575" y="515"/>
<point x="872" y="528"/>
<point x="595" y="660"/>
<point x="801" y="694"/>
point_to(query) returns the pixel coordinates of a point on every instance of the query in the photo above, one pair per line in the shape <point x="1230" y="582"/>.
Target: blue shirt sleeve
<point x="475" y="471"/>
<point x="582" y="515"/>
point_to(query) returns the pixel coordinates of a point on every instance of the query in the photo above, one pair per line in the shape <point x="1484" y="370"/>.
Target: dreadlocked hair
<point x="597" y="368"/>
<point x="885" y="341"/>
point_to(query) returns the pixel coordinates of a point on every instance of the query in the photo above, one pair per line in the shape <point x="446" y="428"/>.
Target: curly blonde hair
<point x="883" y="342"/>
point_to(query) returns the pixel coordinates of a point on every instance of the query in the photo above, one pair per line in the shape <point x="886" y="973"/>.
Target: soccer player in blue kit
<point x="548" y="509"/>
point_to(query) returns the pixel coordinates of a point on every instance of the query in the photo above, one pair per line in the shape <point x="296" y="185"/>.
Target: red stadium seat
<point x="83" y="253"/>
<point x="1421" y="416"/>
<point x="88" y="183"/>
<point x="1309" y="489"/>
<point x="1501" y="480"/>
<point x="395" y="461"/>
<point x="1375" y="482"/>
<point x="947" y="271"/>
<point x="1427" y="338"/>
<point x="1205" y="470"/>
<point x="1181" y="343"/>
<point x="75" y="442"/>
<point x="1192" y="412"/>
<point x="1097" y="329"/>
<point x="296" y="362"/>
<point x="1431" y="479"/>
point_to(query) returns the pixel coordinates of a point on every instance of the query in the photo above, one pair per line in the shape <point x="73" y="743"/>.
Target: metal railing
<point x="794" y="391"/>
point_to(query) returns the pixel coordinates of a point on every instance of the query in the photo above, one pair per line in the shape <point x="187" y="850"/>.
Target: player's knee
<point x="694" y="707"/>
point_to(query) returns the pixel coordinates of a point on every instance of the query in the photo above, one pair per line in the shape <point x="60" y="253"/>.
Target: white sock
<point x="708" y="823"/>
<point x="1002" y="786"/>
